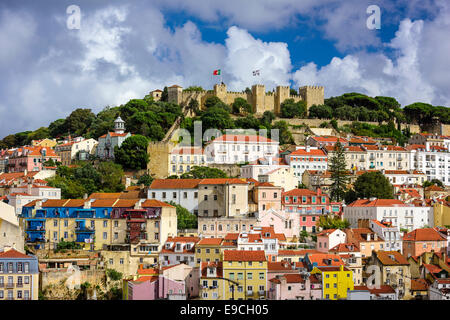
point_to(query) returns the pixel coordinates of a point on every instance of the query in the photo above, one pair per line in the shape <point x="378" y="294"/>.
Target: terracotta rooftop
<point x="210" y="241"/>
<point x="391" y="258"/>
<point x="13" y="254"/>
<point x="175" y="183"/>
<point x="425" y="234"/>
<point x="242" y="255"/>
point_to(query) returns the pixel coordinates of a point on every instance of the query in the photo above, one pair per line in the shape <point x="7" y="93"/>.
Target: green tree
<point x="165" y="95"/>
<point x="111" y="176"/>
<point x="339" y="174"/>
<point x="216" y="118"/>
<point x="79" y="121"/>
<point x="212" y="101"/>
<point x="373" y="184"/>
<point x="241" y="106"/>
<point x="185" y="219"/>
<point x="291" y="109"/>
<point x="204" y="173"/>
<point x="57" y="128"/>
<point x="435" y="182"/>
<point x="267" y="118"/>
<point x="285" y="135"/>
<point x="333" y="222"/>
<point x="145" y="179"/>
<point x="132" y="154"/>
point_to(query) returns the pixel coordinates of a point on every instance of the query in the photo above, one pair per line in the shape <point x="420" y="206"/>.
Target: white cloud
<point x="246" y="54"/>
<point x="404" y="77"/>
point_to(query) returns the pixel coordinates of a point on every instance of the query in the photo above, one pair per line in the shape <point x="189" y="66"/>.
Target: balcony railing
<point x="261" y="292"/>
<point x="249" y="292"/>
<point x="19" y="285"/>
<point x="9" y="285"/>
<point x="84" y="229"/>
<point x="35" y="228"/>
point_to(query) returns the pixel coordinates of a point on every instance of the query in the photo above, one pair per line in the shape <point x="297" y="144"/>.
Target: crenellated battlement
<point x="258" y="97"/>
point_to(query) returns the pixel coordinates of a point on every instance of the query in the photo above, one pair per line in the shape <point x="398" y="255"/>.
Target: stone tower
<point x="281" y="93"/>
<point x="159" y="162"/>
<point x="220" y="91"/>
<point x="258" y="96"/>
<point x="312" y="95"/>
<point x="119" y="125"/>
<point x="175" y="93"/>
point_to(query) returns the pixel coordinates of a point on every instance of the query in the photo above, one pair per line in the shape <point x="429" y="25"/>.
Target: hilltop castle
<point x="258" y="98"/>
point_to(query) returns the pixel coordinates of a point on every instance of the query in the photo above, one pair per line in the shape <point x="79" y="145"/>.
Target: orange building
<point x="419" y="241"/>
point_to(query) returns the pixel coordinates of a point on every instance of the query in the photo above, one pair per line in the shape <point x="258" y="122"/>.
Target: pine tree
<point x="339" y="174"/>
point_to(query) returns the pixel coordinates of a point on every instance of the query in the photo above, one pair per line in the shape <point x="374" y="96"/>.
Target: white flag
<point x="256" y="73"/>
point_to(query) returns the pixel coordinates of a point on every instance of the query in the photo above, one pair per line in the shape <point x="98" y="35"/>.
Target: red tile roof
<point x="211" y="264"/>
<point x="175" y="183"/>
<point x="290" y="278"/>
<point x="13" y="254"/>
<point x="391" y="258"/>
<point x="223" y="181"/>
<point x="244" y="138"/>
<point x="150" y="203"/>
<point x="377" y="203"/>
<point x="425" y="234"/>
<point x="242" y="255"/>
<point x="383" y="289"/>
<point x="187" y="150"/>
<point x="322" y="259"/>
<point x="210" y="242"/>
<point x="419" y="285"/>
<point x="296" y="252"/>
<point x="311" y="152"/>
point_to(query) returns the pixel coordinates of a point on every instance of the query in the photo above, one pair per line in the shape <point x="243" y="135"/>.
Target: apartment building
<point x="307" y="158"/>
<point x="183" y="192"/>
<point x="178" y="250"/>
<point x="388" y="232"/>
<point x="433" y="160"/>
<point x="183" y="159"/>
<point x="406" y="216"/>
<point x="19" y="276"/>
<point x="238" y="148"/>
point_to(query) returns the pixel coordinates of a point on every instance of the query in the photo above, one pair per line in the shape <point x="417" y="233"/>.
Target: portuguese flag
<point x="216" y="72"/>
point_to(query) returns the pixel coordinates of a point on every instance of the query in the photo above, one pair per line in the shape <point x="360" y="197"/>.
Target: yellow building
<point x="441" y="213"/>
<point x="48" y="143"/>
<point x="246" y="272"/>
<point x="336" y="281"/>
<point x="212" y="286"/>
<point x="208" y="250"/>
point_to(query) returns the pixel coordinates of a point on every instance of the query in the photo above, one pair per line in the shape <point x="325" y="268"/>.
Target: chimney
<point x="368" y="237"/>
<point x="85" y="196"/>
<point x="375" y="236"/>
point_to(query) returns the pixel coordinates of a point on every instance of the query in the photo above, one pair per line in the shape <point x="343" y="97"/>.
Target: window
<point x="66" y="235"/>
<point x="105" y="224"/>
<point x="19" y="267"/>
<point x="240" y="276"/>
<point x="116" y="235"/>
<point x="163" y="195"/>
<point x="55" y="223"/>
<point x="111" y="261"/>
<point x="27" y="267"/>
<point x="66" y="223"/>
<point x="250" y="276"/>
<point x="105" y="235"/>
<point x="116" y="224"/>
<point x="261" y="276"/>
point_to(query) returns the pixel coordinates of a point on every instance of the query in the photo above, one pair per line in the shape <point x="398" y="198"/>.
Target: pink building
<point x="31" y="158"/>
<point x="295" y="287"/>
<point x="330" y="238"/>
<point x="309" y="205"/>
<point x="267" y="196"/>
<point x="284" y="222"/>
<point x="177" y="282"/>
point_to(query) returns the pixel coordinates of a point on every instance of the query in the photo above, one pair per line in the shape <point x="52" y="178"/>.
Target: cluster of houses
<point x="258" y="234"/>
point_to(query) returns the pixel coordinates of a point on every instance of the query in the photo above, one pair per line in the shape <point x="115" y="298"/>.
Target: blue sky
<point x="124" y="50"/>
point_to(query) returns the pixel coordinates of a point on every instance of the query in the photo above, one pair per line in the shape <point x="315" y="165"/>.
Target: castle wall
<point x="158" y="165"/>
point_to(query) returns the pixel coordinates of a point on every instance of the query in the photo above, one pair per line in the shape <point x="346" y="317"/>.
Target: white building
<point x="396" y="212"/>
<point x="386" y="157"/>
<point x="183" y="192"/>
<point x="433" y="160"/>
<point x="11" y="235"/>
<point x="261" y="166"/>
<point x="178" y="250"/>
<point x="439" y="290"/>
<point x="261" y="238"/>
<point x="24" y="194"/>
<point x="281" y="177"/>
<point x="390" y="234"/>
<point x="107" y="142"/>
<point x="405" y="177"/>
<point x="235" y="148"/>
<point x="307" y="158"/>
<point x="330" y="238"/>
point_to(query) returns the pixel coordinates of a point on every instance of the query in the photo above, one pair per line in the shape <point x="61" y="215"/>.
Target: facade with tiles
<point x="99" y="224"/>
<point x="19" y="276"/>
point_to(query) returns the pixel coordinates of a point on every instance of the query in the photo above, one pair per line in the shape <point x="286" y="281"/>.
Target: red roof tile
<point x="242" y="255"/>
<point x="425" y="234"/>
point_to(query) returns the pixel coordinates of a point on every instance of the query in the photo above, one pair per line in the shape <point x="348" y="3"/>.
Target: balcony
<point x="362" y="160"/>
<point x="19" y="285"/>
<point x="249" y="292"/>
<point x="10" y="285"/>
<point x="261" y="292"/>
<point x="35" y="228"/>
<point x="84" y="229"/>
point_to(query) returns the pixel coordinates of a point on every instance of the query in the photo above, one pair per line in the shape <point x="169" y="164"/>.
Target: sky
<point x="125" y="49"/>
